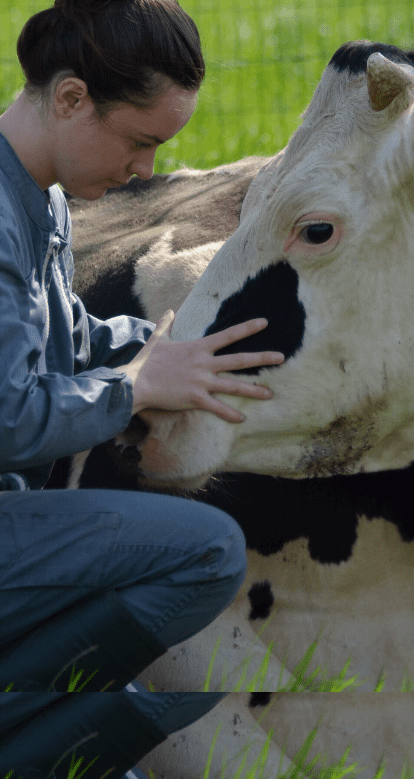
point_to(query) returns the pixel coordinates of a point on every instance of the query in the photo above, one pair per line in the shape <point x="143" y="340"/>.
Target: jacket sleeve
<point x="44" y="416"/>
<point x="110" y="342"/>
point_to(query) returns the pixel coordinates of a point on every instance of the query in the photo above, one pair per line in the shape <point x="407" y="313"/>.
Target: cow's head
<point x="325" y="251"/>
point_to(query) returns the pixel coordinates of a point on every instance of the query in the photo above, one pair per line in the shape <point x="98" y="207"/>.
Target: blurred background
<point x="264" y="60"/>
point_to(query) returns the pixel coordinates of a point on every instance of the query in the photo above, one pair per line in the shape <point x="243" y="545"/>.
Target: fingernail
<point x="242" y="418"/>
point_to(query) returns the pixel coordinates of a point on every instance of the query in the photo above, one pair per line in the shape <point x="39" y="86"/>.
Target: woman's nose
<point x="143" y="168"/>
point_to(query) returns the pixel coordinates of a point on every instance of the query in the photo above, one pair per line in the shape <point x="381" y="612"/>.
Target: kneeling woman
<point x="110" y="579"/>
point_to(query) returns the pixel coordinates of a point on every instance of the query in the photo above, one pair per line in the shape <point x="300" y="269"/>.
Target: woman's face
<point x="91" y="155"/>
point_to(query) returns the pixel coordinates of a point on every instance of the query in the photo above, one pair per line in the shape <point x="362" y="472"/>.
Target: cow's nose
<point x="131" y="455"/>
<point x="134" y="434"/>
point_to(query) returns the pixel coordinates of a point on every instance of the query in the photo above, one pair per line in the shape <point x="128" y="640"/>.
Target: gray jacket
<point x="57" y="395"/>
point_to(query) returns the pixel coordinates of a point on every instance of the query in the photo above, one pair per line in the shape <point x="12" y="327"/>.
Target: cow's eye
<point x="317" y="233"/>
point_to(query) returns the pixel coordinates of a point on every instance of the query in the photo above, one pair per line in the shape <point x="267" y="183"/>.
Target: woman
<point x="100" y="580"/>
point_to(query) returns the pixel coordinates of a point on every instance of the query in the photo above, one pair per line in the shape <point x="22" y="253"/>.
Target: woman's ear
<point x="71" y="94"/>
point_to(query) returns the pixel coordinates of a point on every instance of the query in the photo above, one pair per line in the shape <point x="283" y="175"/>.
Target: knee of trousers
<point x="226" y="547"/>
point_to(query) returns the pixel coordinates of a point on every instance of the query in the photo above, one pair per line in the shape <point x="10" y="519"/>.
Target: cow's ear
<point x="386" y="80"/>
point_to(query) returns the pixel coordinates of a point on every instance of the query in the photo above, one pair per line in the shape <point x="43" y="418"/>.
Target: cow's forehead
<point x="339" y="137"/>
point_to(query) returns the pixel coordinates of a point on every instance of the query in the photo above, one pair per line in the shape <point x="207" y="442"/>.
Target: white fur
<point x="76" y="467"/>
<point x="164" y="278"/>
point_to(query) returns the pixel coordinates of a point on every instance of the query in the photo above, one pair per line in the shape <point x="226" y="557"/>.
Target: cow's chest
<point x="359" y="610"/>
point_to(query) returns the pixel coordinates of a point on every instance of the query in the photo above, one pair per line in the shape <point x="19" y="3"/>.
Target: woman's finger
<point x="240" y="360"/>
<point x="231" y="387"/>
<point x="234" y="333"/>
<point x="223" y="411"/>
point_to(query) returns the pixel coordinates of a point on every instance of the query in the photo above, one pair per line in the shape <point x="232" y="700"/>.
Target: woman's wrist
<point x="138" y="401"/>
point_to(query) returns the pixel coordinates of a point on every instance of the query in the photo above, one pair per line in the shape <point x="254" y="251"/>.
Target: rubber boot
<point x="98" y="637"/>
<point x="106" y="730"/>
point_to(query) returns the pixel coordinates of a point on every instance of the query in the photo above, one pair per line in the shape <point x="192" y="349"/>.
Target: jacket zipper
<point x="60" y="278"/>
<point x="50" y="248"/>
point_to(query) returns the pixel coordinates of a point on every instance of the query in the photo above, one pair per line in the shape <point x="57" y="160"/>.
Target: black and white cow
<point x="319" y="477"/>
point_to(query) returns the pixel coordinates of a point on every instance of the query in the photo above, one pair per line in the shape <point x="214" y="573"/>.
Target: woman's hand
<point x="173" y="375"/>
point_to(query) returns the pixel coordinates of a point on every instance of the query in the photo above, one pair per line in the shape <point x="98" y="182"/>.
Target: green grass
<point x="302" y="679"/>
<point x="264" y="60"/>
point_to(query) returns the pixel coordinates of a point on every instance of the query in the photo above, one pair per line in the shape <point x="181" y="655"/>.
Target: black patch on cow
<point x="261" y="600"/>
<point x="272" y="294"/>
<point x="59" y="477"/>
<point x="273" y="511"/>
<point x="353" y="56"/>
<point x="259" y="699"/>
<point x="109" y="292"/>
<point x="99" y="472"/>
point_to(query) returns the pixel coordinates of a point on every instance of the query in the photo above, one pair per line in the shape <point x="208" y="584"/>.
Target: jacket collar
<point x="35" y="201"/>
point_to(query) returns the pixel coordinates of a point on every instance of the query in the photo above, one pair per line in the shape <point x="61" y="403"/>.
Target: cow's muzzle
<point x="125" y="447"/>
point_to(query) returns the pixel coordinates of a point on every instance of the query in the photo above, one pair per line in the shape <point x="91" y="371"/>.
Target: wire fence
<point x="264" y="59"/>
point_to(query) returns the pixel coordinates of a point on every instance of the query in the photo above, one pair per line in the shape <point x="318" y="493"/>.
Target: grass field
<point x="264" y="59"/>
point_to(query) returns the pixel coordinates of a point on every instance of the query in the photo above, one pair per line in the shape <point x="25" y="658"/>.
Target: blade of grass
<point x="207" y="681"/>
<point x="206" y="771"/>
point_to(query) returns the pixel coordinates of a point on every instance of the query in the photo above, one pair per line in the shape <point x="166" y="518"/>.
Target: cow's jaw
<point x="347" y="446"/>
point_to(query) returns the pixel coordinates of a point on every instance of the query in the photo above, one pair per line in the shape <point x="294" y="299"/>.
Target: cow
<point x="320" y="477"/>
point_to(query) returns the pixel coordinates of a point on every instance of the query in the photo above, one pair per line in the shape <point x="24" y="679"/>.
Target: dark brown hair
<point x="120" y="48"/>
